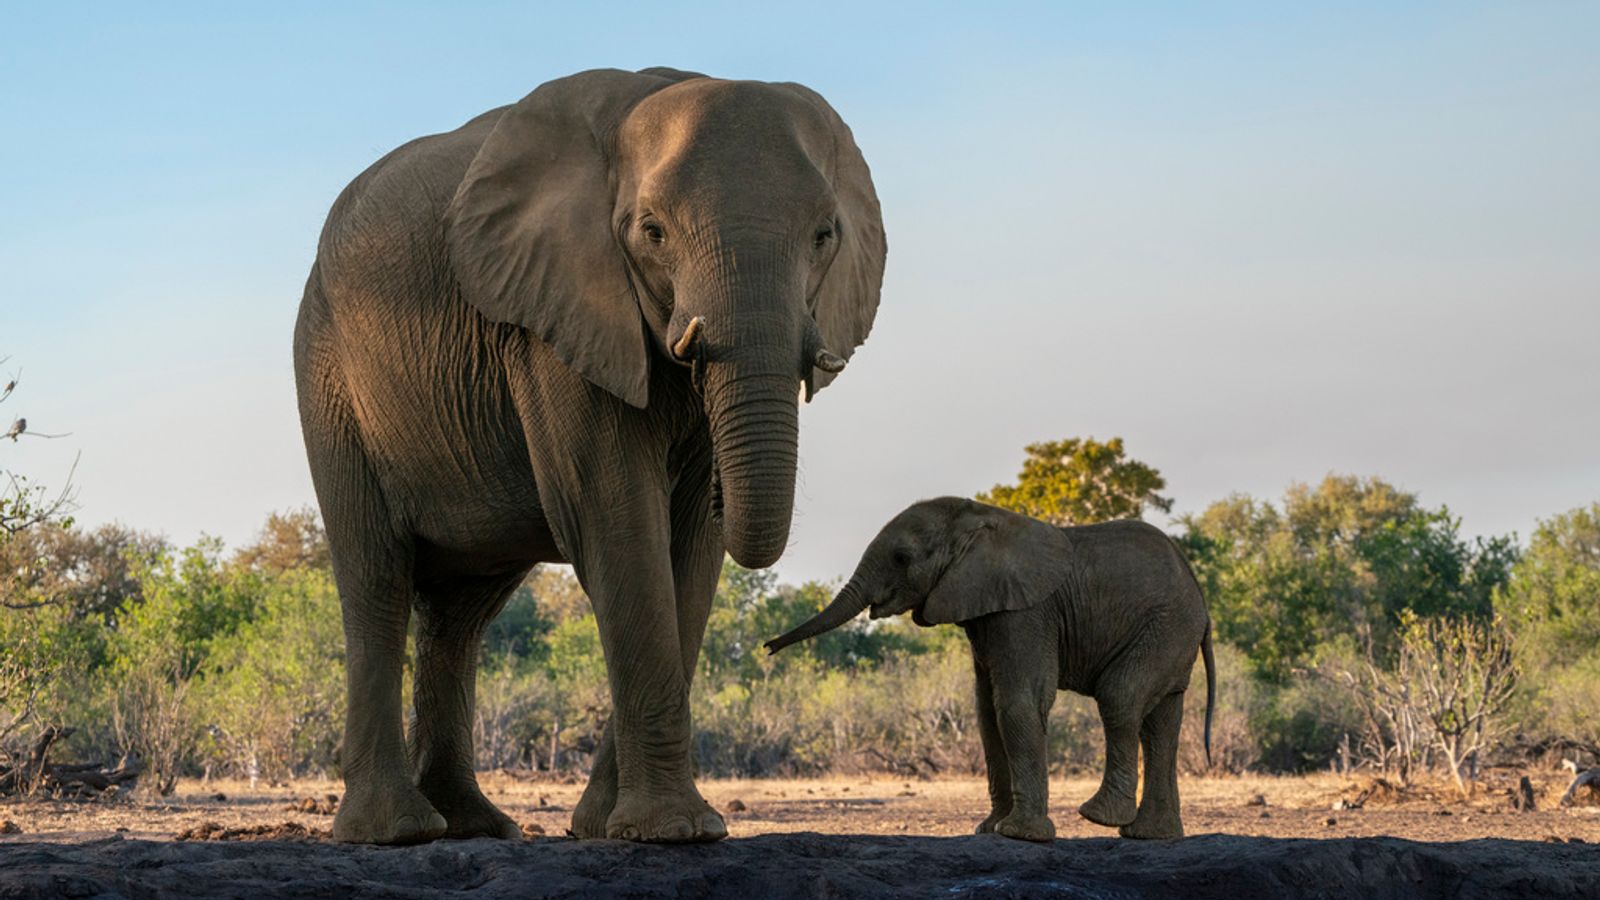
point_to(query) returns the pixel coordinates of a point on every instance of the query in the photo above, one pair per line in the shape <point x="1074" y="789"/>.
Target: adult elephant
<point x="572" y="330"/>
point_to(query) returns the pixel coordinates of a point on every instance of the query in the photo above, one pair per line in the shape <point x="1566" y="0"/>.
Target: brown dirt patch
<point x="283" y="831"/>
<point x="327" y="805"/>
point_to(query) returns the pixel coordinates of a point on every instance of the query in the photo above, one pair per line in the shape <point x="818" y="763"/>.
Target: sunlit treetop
<point x="1078" y="481"/>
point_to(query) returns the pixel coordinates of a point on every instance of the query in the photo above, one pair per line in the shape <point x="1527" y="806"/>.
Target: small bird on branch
<point x="20" y="428"/>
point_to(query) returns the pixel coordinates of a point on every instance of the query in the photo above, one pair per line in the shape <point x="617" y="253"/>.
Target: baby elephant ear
<point x="530" y="231"/>
<point x="1002" y="562"/>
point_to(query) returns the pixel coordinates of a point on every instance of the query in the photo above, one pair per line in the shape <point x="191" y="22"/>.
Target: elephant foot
<point x="391" y="814"/>
<point x="1109" y="809"/>
<point x="1026" y="828"/>
<point x="594" y="807"/>
<point x="469" y="814"/>
<point x="657" y="819"/>
<point x="1154" y="826"/>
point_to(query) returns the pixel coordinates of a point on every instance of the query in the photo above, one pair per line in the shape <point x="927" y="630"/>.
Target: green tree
<point x="1553" y="594"/>
<point x="1552" y="602"/>
<point x="273" y="688"/>
<point x="36" y="630"/>
<point x="188" y="603"/>
<point x="1078" y="481"/>
<point x="1347" y="557"/>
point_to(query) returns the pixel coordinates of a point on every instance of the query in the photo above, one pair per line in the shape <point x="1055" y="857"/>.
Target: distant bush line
<point x="1342" y="612"/>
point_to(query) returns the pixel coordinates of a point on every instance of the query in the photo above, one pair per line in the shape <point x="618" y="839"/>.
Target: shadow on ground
<point x="807" y="865"/>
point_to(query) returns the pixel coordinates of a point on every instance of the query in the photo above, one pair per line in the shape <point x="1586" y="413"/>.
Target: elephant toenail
<point x="713" y="827"/>
<point x="677" y="830"/>
<point x="630" y="833"/>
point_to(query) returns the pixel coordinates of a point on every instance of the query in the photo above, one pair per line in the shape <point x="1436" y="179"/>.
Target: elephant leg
<point x="696" y="564"/>
<point x="373" y="568"/>
<point x="600" y="794"/>
<point x="1114" y="803"/>
<point x="381" y="805"/>
<point x="1021" y="712"/>
<point x="1158" y="808"/>
<point x="628" y="576"/>
<point x="994" y="754"/>
<point x="656" y="797"/>
<point x="450" y="624"/>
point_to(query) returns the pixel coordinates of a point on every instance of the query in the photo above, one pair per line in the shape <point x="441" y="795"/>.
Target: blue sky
<point x="1261" y="242"/>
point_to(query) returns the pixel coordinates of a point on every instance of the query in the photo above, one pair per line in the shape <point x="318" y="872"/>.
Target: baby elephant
<point x="1111" y="611"/>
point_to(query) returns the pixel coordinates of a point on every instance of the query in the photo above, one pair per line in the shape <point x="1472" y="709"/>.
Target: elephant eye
<point x="823" y="236"/>
<point x="653" y="232"/>
<point x="902" y="556"/>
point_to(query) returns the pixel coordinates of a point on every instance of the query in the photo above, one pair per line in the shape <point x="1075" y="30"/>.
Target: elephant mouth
<point x="893" y="606"/>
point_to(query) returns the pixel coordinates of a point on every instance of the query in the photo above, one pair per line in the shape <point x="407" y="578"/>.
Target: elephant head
<point x="632" y="219"/>
<point x="946" y="560"/>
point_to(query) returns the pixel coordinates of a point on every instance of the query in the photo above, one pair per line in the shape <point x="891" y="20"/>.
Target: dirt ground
<point x="800" y="831"/>
<point x="1250" y="805"/>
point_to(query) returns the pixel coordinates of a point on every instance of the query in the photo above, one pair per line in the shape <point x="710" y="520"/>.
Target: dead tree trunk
<point x="1522" y="801"/>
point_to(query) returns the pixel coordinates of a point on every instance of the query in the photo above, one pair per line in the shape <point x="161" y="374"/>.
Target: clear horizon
<point x="1260" y="243"/>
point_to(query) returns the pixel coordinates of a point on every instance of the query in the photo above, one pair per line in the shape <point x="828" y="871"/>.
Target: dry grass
<point x="1248" y="805"/>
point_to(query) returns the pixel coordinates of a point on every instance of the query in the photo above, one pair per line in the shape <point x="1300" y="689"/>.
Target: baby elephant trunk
<point x="844" y="607"/>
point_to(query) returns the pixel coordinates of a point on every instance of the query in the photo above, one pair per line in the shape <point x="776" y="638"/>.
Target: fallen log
<point x="79" y="781"/>
<point x="23" y="778"/>
<point x="1589" y="778"/>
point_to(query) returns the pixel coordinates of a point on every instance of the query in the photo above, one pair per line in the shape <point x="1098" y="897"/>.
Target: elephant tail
<point x="1205" y="646"/>
<point x="1211" y="685"/>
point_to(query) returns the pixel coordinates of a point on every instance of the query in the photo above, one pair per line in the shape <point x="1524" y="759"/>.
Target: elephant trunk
<point x="755" y="438"/>
<point x="846" y="606"/>
<point x="751" y="341"/>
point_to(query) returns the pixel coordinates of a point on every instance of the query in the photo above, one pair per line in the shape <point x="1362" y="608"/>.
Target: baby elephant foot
<point x="396" y="815"/>
<point x="1026" y="828"/>
<point x="665" y="820"/>
<point x="1154" y="826"/>
<point x="1108" y="808"/>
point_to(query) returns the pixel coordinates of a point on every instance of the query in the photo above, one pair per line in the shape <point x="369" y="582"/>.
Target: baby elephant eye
<point x="823" y="236"/>
<point x="902" y="556"/>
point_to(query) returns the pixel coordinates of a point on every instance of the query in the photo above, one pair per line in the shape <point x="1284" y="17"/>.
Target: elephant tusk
<point x="680" y="350"/>
<point x="821" y="357"/>
<point x="828" y="362"/>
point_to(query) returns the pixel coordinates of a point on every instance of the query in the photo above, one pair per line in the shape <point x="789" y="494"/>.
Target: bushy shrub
<point x="272" y="696"/>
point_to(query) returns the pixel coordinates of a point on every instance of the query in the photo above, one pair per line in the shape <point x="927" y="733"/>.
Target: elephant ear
<point x="999" y="564"/>
<point x="529" y="229"/>
<point x="847" y="300"/>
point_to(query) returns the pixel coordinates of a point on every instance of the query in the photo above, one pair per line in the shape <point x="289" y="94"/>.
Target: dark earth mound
<point x="807" y="865"/>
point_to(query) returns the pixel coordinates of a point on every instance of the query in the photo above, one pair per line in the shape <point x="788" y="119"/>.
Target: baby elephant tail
<point x="1211" y="685"/>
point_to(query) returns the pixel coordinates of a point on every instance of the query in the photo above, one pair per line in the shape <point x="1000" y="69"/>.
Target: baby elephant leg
<point x="995" y="763"/>
<point x="1113" y="803"/>
<point x="1021" y="711"/>
<point x="1158" y="808"/>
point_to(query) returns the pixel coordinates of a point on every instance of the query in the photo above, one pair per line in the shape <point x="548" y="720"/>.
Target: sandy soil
<point x="811" y="838"/>
<point x="1255" y="806"/>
